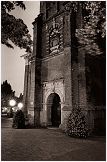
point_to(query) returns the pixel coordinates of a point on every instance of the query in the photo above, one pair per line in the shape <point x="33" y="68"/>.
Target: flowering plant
<point x="76" y="124"/>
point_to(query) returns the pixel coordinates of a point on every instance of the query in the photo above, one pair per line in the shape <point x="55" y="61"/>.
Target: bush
<point x="76" y="124"/>
<point x="18" y="119"/>
<point x="10" y="113"/>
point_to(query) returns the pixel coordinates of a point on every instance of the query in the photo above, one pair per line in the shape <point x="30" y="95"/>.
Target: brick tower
<point x="55" y="78"/>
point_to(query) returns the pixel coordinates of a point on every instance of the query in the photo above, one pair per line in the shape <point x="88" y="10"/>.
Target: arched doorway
<point x="54" y="110"/>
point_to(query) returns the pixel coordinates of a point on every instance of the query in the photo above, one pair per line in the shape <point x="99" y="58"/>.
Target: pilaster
<point x="26" y="84"/>
<point x="67" y="61"/>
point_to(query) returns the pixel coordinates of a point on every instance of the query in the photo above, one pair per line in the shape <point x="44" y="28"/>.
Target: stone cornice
<point x="43" y="83"/>
<point x="52" y="55"/>
<point x="26" y="56"/>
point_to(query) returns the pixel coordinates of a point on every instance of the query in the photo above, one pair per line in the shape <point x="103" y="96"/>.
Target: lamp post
<point x="20" y="105"/>
<point x="12" y="103"/>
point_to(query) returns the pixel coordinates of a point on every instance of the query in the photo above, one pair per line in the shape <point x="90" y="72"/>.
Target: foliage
<point x="10" y="113"/>
<point x="19" y="119"/>
<point x="6" y="89"/>
<point x="76" y="124"/>
<point x="6" y="93"/>
<point x="91" y="36"/>
<point x="20" y="98"/>
<point x="12" y="29"/>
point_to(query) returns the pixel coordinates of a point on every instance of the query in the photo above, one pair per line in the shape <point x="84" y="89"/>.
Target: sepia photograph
<point x="53" y="80"/>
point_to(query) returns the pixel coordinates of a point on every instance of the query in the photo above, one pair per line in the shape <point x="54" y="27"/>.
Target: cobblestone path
<point x="48" y="144"/>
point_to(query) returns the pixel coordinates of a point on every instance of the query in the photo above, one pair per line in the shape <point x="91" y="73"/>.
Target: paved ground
<point x="48" y="144"/>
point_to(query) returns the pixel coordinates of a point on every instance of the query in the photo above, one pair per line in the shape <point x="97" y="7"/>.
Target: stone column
<point x="35" y="87"/>
<point x="67" y="106"/>
<point x="32" y="94"/>
<point x="31" y="100"/>
<point x="77" y="57"/>
<point x="82" y="94"/>
<point x="26" y="85"/>
<point x="82" y="79"/>
<point x="38" y="92"/>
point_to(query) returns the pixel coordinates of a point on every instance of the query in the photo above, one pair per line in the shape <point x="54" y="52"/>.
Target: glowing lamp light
<point x="12" y="102"/>
<point x="20" y="105"/>
<point x="5" y="109"/>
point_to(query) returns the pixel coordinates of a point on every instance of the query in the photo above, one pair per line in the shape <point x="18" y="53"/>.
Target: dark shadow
<point x="54" y="110"/>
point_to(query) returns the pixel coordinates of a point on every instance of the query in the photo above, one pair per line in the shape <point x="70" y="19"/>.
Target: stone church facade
<point x="55" y="73"/>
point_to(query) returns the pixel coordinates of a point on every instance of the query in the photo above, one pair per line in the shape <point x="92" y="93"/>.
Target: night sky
<point x="12" y="65"/>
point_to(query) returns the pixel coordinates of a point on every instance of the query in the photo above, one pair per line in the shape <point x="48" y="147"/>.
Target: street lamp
<point x="12" y="103"/>
<point x="20" y="105"/>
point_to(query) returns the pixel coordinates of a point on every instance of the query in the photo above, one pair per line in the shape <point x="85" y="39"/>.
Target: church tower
<point x="55" y="79"/>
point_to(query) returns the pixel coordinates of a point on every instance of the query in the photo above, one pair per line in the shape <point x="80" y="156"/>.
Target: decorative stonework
<point x="57" y="87"/>
<point x="54" y="38"/>
<point x="53" y="87"/>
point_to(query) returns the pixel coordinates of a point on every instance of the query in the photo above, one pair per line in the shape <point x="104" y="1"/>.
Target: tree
<point x="91" y="39"/>
<point x="6" y="93"/>
<point x="12" y="29"/>
<point x="20" y="98"/>
<point x="18" y="119"/>
<point x="93" y="32"/>
<point x="6" y="89"/>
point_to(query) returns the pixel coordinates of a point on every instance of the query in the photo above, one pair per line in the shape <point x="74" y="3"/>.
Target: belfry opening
<point x="53" y="110"/>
